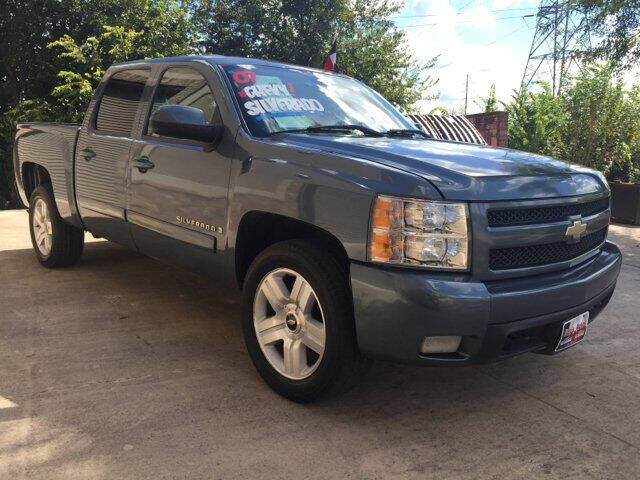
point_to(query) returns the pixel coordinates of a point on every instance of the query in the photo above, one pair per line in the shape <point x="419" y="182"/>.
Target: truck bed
<point x="53" y="146"/>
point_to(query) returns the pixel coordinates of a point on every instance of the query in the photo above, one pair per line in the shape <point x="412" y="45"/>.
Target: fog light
<point x="440" y="344"/>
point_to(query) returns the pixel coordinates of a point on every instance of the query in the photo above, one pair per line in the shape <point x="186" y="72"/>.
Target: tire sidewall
<point x="334" y="321"/>
<point x="44" y="194"/>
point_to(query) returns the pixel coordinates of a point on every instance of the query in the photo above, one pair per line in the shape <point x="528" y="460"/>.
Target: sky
<point x="487" y="39"/>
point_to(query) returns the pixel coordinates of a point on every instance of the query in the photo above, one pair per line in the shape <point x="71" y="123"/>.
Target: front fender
<point x="330" y="191"/>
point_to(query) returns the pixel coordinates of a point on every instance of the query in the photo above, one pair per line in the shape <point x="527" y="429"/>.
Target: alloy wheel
<point x="42" y="227"/>
<point x="289" y="323"/>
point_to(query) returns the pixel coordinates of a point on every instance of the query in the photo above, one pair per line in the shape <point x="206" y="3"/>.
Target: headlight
<point x="419" y="233"/>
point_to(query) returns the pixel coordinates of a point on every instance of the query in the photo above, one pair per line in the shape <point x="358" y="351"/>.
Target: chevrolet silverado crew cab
<point x="352" y="234"/>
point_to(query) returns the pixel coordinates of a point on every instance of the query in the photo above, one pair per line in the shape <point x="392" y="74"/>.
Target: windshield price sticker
<point x="268" y="90"/>
<point x="242" y="77"/>
<point x="276" y="98"/>
<point x="283" y="105"/>
<point x="271" y="99"/>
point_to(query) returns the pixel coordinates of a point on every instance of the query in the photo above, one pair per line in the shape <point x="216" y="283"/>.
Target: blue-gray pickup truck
<point x="352" y="234"/>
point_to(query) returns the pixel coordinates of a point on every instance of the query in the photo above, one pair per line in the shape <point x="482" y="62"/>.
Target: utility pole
<point x="557" y="44"/>
<point x="466" y="94"/>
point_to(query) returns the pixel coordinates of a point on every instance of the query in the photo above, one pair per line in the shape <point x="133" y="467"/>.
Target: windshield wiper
<point x="406" y="132"/>
<point x="332" y="128"/>
<point x="396" y="132"/>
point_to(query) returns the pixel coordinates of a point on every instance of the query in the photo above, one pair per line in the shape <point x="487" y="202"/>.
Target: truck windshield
<point x="276" y="99"/>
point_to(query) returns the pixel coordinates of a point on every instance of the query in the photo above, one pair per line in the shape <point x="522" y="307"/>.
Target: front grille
<point x="544" y="254"/>
<point x="554" y="213"/>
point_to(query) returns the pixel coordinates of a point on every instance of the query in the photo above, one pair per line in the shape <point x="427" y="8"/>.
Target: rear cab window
<point x="116" y="112"/>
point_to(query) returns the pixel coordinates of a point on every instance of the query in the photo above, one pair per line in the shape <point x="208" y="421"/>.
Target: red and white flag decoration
<point x="332" y="58"/>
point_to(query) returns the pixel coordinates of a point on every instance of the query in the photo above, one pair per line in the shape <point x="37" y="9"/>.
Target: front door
<point x="178" y="205"/>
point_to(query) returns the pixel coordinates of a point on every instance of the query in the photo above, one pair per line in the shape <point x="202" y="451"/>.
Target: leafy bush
<point x="602" y="125"/>
<point x="595" y="122"/>
<point x="536" y="122"/>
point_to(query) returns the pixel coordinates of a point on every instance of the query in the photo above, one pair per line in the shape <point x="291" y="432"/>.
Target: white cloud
<point x="466" y="42"/>
<point x="479" y="16"/>
<point x="487" y="39"/>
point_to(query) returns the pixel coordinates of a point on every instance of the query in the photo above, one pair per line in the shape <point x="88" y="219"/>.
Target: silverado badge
<point x="199" y="224"/>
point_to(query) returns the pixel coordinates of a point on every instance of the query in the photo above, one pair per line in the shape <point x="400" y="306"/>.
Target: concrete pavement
<point x="124" y="368"/>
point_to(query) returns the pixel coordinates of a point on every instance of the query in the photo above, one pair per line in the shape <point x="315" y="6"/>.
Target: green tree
<point x="490" y="103"/>
<point x="634" y="99"/>
<point x="166" y="33"/>
<point x="613" y="26"/>
<point x="370" y="48"/>
<point x="53" y="60"/>
<point x="536" y="120"/>
<point x="602" y="127"/>
<point x="375" y="52"/>
<point x="595" y="122"/>
<point x="27" y="70"/>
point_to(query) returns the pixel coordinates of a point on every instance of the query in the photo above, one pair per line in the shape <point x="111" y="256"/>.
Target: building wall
<point x="493" y="126"/>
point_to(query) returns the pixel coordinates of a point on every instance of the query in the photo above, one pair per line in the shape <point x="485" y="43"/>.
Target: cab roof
<point x="221" y="60"/>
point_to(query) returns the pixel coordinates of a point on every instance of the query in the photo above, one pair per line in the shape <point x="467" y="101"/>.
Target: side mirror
<point x="182" y="121"/>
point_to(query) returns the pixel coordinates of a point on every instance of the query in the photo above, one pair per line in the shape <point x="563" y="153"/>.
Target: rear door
<point x="102" y="154"/>
<point x="178" y="207"/>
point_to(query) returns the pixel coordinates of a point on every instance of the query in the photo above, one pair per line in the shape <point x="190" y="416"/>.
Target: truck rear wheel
<point x="56" y="243"/>
<point x="298" y="321"/>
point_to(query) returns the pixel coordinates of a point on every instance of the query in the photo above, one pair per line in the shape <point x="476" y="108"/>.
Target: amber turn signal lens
<point x="387" y="213"/>
<point x="386" y="223"/>
<point x="382" y="212"/>
<point x="380" y="247"/>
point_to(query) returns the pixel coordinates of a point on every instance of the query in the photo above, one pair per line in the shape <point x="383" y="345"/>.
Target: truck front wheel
<point x="56" y="243"/>
<point x="298" y="321"/>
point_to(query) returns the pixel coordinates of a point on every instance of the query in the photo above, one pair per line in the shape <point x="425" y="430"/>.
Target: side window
<point x="120" y="100"/>
<point x="185" y="86"/>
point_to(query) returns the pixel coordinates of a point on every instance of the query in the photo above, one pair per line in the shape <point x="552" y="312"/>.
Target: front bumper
<point x="395" y="308"/>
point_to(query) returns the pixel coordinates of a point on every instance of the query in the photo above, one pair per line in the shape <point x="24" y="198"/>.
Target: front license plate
<point x="573" y="331"/>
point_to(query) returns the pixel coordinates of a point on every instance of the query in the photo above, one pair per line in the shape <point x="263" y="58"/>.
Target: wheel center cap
<point x="292" y="322"/>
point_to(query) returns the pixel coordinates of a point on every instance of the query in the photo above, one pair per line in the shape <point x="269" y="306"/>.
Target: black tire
<point x="341" y="364"/>
<point x="67" y="241"/>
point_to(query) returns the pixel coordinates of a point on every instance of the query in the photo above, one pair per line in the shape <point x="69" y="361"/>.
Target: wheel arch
<point x="258" y="230"/>
<point x="33" y="175"/>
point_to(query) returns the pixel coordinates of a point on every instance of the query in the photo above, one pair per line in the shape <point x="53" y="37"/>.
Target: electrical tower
<point x="557" y="45"/>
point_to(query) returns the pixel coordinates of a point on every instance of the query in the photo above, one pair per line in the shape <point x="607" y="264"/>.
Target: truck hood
<point x="463" y="171"/>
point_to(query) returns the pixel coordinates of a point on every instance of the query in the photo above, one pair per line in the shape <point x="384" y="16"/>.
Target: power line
<point x="507" y="7"/>
<point x="466" y="5"/>
<point x="460" y="12"/>
<point x="456" y="22"/>
<point x="467" y="29"/>
<point x="507" y="35"/>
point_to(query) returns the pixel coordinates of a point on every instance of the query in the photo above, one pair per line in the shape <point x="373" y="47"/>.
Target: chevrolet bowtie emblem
<point x="576" y="230"/>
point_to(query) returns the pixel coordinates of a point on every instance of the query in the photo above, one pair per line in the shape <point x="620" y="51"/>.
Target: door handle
<point x="142" y="164"/>
<point x="87" y="153"/>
